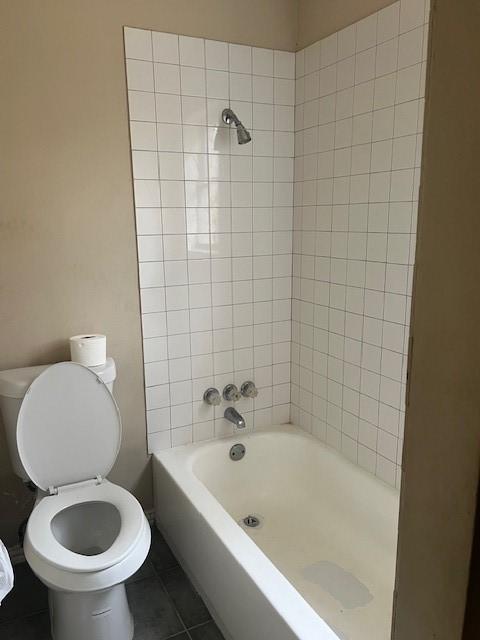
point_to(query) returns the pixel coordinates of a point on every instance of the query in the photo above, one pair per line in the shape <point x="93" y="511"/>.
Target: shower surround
<point x="287" y="260"/>
<point x="214" y="228"/>
<point x="358" y="139"/>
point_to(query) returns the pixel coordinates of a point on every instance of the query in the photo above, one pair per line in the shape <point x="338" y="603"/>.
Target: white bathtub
<point x="321" y="564"/>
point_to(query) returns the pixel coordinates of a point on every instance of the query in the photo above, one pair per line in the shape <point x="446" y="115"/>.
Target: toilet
<point x="86" y="535"/>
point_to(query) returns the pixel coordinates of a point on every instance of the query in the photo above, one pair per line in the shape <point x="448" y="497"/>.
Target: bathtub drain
<point x="251" y="521"/>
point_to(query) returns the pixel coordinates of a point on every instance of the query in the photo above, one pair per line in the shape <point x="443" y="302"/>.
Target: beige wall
<point x="320" y="18"/>
<point x="68" y="264"/>
<point x="442" y="436"/>
<point x="67" y="237"/>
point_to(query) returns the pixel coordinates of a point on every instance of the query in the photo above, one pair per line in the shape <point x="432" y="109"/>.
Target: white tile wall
<point x="214" y="228"/>
<point x="358" y="136"/>
<point x="330" y="179"/>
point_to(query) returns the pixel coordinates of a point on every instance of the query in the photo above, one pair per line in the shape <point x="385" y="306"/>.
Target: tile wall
<point x="331" y="182"/>
<point x="214" y="228"/>
<point x="358" y="138"/>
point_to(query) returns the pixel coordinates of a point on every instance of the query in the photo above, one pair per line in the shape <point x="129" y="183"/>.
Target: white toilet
<point x="85" y="535"/>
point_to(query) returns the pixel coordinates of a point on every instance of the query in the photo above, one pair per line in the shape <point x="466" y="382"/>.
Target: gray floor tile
<point x="28" y="595"/>
<point x="208" y="631"/>
<point x="187" y="601"/>
<point x="146" y="571"/>
<point x="154" y="614"/>
<point x="36" y="627"/>
<point x="160" y="554"/>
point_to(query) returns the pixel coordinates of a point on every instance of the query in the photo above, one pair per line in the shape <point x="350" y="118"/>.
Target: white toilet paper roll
<point x="89" y="349"/>
<point x="6" y="572"/>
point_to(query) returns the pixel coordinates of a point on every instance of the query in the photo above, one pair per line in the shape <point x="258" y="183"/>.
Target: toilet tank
<point x="13" y="386"/>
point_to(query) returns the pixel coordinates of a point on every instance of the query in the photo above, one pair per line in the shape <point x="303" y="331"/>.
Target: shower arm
<point x="228" y="116"/>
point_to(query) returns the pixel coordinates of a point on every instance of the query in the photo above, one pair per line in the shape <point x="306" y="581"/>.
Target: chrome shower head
<point x="243" y="136"/>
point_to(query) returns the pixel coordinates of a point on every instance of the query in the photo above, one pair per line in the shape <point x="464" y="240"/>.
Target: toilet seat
<point x="45" y="545"/>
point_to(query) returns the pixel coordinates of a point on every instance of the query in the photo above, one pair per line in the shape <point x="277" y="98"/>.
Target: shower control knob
<point x="212" y="396"/>
<point x="249" y="390"/>
<point x="231" y="393"/>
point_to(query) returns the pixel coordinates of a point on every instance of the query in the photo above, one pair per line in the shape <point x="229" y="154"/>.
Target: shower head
<point x="243" y="136"/>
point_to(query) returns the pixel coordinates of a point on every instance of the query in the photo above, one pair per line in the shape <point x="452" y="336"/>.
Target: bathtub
<point x="319" y="565"/>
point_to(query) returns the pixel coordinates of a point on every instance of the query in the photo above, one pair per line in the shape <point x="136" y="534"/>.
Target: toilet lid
<point x="68" y="427"/>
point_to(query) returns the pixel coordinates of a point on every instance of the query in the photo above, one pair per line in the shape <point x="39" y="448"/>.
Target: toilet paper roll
<point x="89" y="349"/>
<point x="6" y="572"/>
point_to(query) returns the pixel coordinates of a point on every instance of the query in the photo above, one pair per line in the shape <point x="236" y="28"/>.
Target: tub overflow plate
<point x="237" y="452"/>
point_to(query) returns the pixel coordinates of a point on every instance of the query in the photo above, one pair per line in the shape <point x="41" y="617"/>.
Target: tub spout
<point x="232" y="415"/>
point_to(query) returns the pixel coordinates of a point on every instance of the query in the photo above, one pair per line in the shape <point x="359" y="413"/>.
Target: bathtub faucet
<point x="232" y="415"/>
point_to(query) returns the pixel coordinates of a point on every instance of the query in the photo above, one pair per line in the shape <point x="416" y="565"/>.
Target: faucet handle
<point x="212" y="396"/>
<point x="249" y="390"/>
<point x="231" y="393"/>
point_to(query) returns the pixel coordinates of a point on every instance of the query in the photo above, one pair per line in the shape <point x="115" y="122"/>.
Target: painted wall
<point x="442" y="431"/>
<point x="67" y="226"/>
<point x="359" y="119"/>
<point x="214" y="225"/>
<point x="320" y="18"/>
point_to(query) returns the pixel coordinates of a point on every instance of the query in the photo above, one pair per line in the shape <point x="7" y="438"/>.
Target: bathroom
<point x="288" y="295"/>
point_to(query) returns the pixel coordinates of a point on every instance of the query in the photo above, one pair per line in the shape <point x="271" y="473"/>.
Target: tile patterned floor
<point x="162" y="599"/>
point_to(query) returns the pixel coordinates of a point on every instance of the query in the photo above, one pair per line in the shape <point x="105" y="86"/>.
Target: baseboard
<point x="16" y="552"/>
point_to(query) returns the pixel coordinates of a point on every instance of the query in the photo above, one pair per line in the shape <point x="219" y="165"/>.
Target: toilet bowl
<point x="83" y="544"/>
<point x="85" y="535"/>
